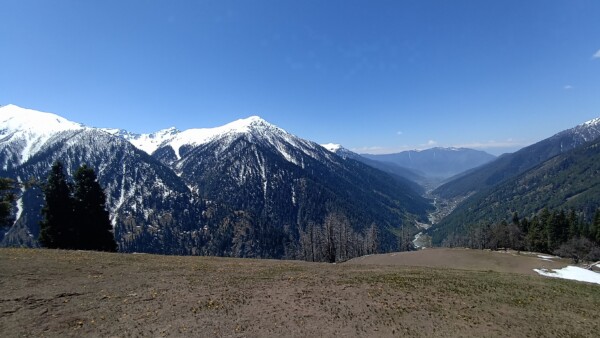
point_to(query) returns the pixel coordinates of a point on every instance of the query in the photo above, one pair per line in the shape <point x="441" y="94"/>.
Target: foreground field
<point x="62" y="293"/>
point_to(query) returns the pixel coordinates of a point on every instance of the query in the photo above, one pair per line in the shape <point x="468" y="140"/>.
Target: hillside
<point x="567" y="181"/>
<point x="510" y="165"/>
<point x="410" y="176"/>
<point x="244" y="189"/>
<point x="74" y="293"/>
<point x="285" y="184"/>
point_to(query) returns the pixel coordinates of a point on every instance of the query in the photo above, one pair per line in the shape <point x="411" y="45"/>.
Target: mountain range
<point x="558" y="173"/>
<point x="436" y="163"/>
<point x="246" y="189"/>
<point x="510" y="165"/>
<point x="251" y="189"/>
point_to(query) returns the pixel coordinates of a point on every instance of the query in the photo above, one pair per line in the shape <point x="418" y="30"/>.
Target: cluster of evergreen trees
<point x="75" y="215"/>
<point x="560" y="232"/>
<point x="7" y="197"/>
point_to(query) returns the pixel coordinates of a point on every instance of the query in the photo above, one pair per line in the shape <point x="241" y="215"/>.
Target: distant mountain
<point x="437" y="162"/>
<point x="569" y="180"/>
<point x="391" y="168"/>
<point x="246" y="189"/>
<point x="511" y="165"/>
<point x="146" y="142"/>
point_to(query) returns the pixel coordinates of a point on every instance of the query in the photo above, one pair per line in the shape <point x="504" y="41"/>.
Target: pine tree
<point x="57" y="228"/>
<point x="574" y="226"/>
<point x="536" y="236"/>
<point x="91" y="217"/>
<point x="595" y="228"/>
<point x="7" y="197"/>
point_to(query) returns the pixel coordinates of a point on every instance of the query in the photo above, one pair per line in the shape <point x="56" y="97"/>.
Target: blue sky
<point x="376" y="76"/>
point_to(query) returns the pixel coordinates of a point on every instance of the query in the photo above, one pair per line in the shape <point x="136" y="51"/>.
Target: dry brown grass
<point x="62" y="293"/>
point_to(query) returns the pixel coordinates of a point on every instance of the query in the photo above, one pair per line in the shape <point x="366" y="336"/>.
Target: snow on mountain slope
<point x="592" y="122"/>
<point x="254" y="127"/>
<point x="251" y="125"/>
<point x="146" y="142"/>
<point x="333" y="147"/>
<point x="584" y="132"/>
<point x="23" y="132"/>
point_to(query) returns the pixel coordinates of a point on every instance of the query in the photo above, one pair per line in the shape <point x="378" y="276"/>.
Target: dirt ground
<point x="53" y="293"/>
<point x="469" y="259"/>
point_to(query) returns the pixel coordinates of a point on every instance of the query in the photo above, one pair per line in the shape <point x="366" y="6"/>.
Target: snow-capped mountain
<point x="286" y="182"/>
<point x="578" y="135"/>
<point x="146" y="200"/>
<point x="339" y="150"/>
<point x="145" y="142"/>
<point x="247" y="188"/>
<point x="333" y="147"/>
<point x="23" y="132"/>
<point x="180" y="141"/>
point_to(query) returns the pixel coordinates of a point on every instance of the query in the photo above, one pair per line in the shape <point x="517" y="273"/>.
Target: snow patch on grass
<point x="573" y="273"/>
<point x="547" y="258"/>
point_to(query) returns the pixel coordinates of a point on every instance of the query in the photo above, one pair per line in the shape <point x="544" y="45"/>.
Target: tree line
<point x="559" y="232"/>
<point x="74" y="215"/>
<point x="7" y="197"/>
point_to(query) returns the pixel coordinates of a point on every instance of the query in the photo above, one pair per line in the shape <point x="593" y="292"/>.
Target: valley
<point x="300" y="168"/>
<point x="251" y="189"/>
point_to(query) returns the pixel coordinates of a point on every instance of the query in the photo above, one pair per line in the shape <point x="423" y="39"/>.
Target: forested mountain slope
<point x="511" y="165"/>
<point x="568" y="181"/>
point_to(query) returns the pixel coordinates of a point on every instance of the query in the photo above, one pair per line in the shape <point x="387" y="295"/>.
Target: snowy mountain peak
<point x="25" y="131"/>
<point x="249" y="124"/>
<point x="592" y="122"/>
<point x="333" y="147"/>
<point x="146" y="142"/>
<point x="584" y="132"/>
<point x="195" y="137"/>
<point x="14" y="118"/>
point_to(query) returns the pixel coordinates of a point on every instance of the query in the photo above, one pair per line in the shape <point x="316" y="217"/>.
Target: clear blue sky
<point x="375" y="76"/>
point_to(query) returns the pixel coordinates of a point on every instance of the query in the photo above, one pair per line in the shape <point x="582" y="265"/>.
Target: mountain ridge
<point x="246" y="189"/>
<point x="438" y="162"/>
<point x="569" y="180"/>
<point x="510" y="165"/>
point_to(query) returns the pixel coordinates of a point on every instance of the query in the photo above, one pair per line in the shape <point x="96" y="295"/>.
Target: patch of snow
<point x="150" y="142"/>
<point x="547" y="258"/>
<point x="196" y="137"/>
<point x="112" y="131"/>
<point x="416" y="240"/>
<point x="592" y="122"/>
<point x="572" y="273"/>
<point x="20" y="203"/>
<point x="332" y="147"/>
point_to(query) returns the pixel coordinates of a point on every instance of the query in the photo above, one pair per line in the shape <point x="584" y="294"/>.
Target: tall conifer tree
<point x="7" y="197"/>
<point x="57" y="228"/>
<point x="91" y="217"/>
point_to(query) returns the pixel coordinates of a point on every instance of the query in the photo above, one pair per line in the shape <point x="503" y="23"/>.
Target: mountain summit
<point x="24" y="132"/>
<point x="245" y="189"/>
<point x="176" y="139"/>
